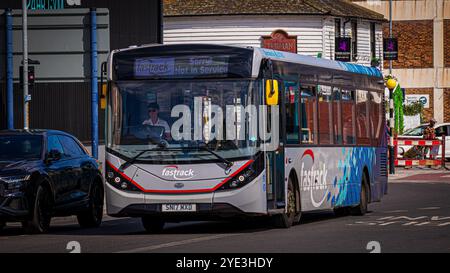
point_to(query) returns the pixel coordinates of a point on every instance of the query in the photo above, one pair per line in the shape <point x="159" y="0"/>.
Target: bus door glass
<point x="275" y="155"/>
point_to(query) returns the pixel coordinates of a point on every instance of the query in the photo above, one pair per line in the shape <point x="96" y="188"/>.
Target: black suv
<point x="46" y="173"/>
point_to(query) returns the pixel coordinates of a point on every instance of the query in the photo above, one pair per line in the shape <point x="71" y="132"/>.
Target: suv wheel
<point x="92" y="217"/>
<point x="41" y="215"/>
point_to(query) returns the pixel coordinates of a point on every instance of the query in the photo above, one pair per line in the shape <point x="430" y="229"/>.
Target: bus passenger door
<point x="275" y="181"/>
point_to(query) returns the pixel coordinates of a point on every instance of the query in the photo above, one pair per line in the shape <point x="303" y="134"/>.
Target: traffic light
<point x="31" y="75"/>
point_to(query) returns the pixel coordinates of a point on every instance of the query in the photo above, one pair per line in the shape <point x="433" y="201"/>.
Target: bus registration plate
<point x="179" y="208"/>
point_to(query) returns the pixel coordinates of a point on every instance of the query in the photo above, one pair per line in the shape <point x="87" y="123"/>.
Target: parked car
<point x="417" y="133"/>
<point x="45" y="174"/>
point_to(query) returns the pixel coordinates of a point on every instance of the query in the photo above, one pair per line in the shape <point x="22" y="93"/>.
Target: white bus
<point x="200" y="132"/>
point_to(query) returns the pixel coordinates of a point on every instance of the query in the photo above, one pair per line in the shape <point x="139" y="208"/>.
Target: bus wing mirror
<point x="272" y="90"/>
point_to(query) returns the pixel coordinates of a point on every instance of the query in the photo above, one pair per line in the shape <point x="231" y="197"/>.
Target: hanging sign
<point x="343" y="49"/>
<point x="52" y="4"/>
<point x="390" y="49"/>
<point x="280" y="40"/>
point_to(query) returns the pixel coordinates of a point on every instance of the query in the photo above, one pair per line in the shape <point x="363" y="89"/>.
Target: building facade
<point x="305" y="27"/>
<point x="423" y="31"/>
<point x="59" y="34"/>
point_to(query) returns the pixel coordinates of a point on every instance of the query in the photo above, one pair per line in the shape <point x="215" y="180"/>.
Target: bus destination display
<point x="196" y="66"/>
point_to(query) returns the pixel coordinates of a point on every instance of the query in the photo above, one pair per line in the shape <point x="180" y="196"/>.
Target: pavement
<point x="413" y="217"/>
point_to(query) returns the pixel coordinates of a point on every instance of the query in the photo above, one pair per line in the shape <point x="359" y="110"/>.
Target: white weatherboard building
<point x="314" y="24"/>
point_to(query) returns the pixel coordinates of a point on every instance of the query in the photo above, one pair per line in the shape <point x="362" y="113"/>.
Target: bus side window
<point x="337" y="116"/>
<point x="376" y="110"/>
<point x="348" y="116"/>
<point x="362" y="118"/>
<point x="308" y="114"/>
<point x="292" y="113"/>
<point x="325" y="115"/>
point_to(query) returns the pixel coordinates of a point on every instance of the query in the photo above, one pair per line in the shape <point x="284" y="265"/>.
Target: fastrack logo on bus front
<point x="176" y="174"/>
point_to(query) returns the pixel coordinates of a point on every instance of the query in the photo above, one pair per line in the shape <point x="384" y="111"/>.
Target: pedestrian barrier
<point x="419" y="145"/>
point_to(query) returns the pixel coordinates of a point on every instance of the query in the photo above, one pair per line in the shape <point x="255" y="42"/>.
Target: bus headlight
<point x="245" y="176"/>
<point x="118" y="180"/>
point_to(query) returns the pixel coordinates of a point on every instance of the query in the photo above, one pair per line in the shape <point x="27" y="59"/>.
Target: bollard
<point x="443" y="151"/>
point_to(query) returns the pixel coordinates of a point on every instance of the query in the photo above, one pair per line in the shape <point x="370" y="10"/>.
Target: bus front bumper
<point x="247" y="201"/>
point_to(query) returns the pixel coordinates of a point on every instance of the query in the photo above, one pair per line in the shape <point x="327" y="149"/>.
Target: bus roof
<point x="318" y="62"/>
<point x="263" y="53"/>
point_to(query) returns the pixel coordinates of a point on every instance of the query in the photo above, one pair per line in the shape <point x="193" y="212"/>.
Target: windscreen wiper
<point x="128" y="163"/>
<point x="205" y="147"/>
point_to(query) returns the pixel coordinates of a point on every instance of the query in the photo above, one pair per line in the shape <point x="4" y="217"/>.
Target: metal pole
<point x="26" y="98"/>
<point x="94" y="84"/>
<point x="390" y="32"/>
<point x="391" y="141"/>
<point x="391" y="106"/>
<point x="9" y="70"/>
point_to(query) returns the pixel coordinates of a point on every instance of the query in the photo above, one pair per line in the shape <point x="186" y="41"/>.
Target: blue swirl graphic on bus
<point x="347" y="188"/>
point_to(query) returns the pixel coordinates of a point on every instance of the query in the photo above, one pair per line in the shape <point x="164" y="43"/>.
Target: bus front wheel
<point x="287" y="219"/>
<point x="152" y="224"/>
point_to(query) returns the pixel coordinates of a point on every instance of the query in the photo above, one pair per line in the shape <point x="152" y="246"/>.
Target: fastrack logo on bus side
<point x="314" y="179"/>
<point x="176" y="174"/>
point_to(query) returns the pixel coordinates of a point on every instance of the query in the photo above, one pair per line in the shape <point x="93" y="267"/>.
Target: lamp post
<point x="391" y="84"/>
<point x="26" y="97"/>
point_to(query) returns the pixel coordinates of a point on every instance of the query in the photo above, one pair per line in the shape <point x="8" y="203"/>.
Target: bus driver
<point x="154" y="120"/>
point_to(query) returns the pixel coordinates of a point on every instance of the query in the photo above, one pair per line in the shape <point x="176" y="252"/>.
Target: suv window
<point x="54" y="144"/>
<point x="442" y="130"/>
<point x="71" y="148"/>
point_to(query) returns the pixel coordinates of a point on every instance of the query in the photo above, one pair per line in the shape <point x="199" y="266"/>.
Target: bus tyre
<point x="41" y="214"/>
<point x="361" y="209"/>
<point x="92" y="217"/>
<point x="152" y="224"/>
<point x="287" y="219"/>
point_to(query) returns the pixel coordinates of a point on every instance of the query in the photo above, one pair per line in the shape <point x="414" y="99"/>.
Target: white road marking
<point x="410" y="223"/>
<point x="438" y="218"/>
<point x="388" y="223"/>
<point x="178" y="243"/>
<point x="444" y="224"/>
<point x="430" y="208"/>
<point x="422" y="224"/>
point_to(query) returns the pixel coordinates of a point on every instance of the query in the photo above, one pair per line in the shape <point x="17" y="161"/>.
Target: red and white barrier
<point x="402" y="162"/>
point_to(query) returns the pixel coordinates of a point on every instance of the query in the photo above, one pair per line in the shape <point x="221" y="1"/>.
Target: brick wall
<point x="415" y="43"/>
<point x="447" y="105"/>
<point x="428" y="112"/>
<point x="447" y="43"/>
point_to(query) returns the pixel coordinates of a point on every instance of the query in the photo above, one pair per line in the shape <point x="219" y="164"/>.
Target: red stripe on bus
<point x="180" y="191"/>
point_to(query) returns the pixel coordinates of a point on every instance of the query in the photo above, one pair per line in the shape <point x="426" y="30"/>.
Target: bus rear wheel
<point x="287" y="219"/>
<point x="361" y="209"/>
<point x="152" y="224"/>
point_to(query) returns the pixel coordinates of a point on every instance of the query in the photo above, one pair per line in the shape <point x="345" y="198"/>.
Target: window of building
<point x="348" y="116"/>
<point x="337" y="27"/>
<point x="292" y="112"/>
<point x="354" y="25"/>
<point x="308" y="111"/>
<point x="373" y="53"/>
<point x="337" y="116"/>
<point x="362" y="118"/>
<point x="325" y="115"/>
